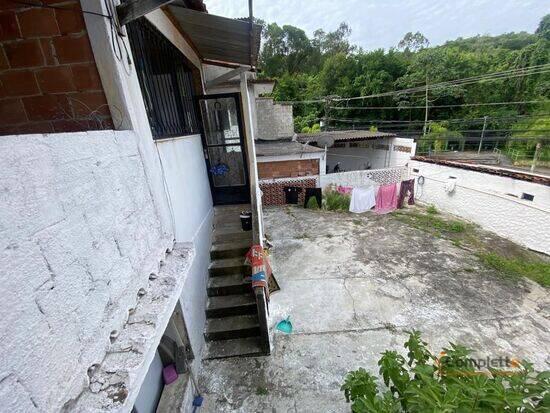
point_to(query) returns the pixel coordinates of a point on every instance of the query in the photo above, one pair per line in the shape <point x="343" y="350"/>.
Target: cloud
<point x="382" y="23"/>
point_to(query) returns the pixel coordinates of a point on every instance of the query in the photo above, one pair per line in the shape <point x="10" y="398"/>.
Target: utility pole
<point x="535" y="156"/>
<point x="426" y="112"/>
<point x="482" y="134"/>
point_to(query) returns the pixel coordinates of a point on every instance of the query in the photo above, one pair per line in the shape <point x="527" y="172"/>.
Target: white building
<point x="109" y="231"/>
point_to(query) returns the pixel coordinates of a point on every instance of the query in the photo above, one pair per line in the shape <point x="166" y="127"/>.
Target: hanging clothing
<point x="362" y="199"/>
<point x="291" y="194"/>
<point x="406" y="192"/>
<point x="386" y="199"/>
<point x="315" y="193"/>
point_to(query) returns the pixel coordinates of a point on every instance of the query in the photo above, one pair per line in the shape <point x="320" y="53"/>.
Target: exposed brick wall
<point x="288" y="169"/>
<point x="48" y="77"/>
<point x="273" y="192"/>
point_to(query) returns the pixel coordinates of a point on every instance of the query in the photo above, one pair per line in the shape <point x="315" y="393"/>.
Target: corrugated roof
<point x="286" y="147"/>
<point x="217" y="38"/>
<point x="348" y="135"/>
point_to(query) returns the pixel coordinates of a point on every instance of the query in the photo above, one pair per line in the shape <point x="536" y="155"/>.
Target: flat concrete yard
<point x="352" y="285"/>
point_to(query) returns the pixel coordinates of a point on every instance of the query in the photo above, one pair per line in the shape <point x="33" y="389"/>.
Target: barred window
<point x="166" y="81"/>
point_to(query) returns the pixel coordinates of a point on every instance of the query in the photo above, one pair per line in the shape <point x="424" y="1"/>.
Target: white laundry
<point x="362" y="199"/>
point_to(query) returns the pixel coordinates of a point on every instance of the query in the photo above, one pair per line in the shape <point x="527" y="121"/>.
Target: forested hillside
<point x="327" y="65"/>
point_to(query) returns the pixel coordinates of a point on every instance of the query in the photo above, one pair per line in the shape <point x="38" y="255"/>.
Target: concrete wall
<point x="378" y="153"/>
<point x="490" y="201"/>
<point x="359" y="178"/>
<point x="191" y="202"/>
<point x="79" y="232"/>
<point x="274" y="121"/>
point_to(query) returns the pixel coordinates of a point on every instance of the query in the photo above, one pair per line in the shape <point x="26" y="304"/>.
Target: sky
<point x="382" y="23"/>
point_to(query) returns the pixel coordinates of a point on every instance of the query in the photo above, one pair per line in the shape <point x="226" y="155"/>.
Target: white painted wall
<point x="79" y="234"/>
<point x="358" y="157"/>
<point x="485" y="200"/>
<point x="191" y="201"/>
<point x="360" y="178"/>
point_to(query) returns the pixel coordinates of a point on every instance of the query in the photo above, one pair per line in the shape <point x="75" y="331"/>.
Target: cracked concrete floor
<point x="352" y="285"/>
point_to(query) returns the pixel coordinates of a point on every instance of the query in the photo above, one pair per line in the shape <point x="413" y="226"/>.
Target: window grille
<point x="166" y="82"/>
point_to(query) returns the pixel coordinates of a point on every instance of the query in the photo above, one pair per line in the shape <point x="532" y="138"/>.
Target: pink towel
<point x="386" y="199"/>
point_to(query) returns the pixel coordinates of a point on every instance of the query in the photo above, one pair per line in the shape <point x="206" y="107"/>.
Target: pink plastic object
<point x="345" y="190"/>
<point x="169" y="374"/>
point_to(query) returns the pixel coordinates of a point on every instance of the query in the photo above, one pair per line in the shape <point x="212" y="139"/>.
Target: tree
<point x="413" y="42"/>
<point x="543" y="30"/>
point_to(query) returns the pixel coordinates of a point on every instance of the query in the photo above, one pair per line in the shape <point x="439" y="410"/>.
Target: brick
<point x="73" y="49"/>
<point x="38" y="22"/>
<point x="36" y="127"/>
<point x="47" y="107"/>
<point x="9" y="29"/>
<point x="25" y="53"/>
<point x="48" y="50"/>
<point x="57" y="79"/>
<point x="3" y="60"/>
<point x="19" y="83"/>
<point x="89" y="104"/>
<point x="70" y="125"/>
<point x="86" y="77"/>
<point x="70" y="20"/>
<point x="12" y="111"/>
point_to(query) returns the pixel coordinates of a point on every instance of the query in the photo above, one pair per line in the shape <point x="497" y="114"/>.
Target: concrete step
<point x="227" y="266"/>
<point x="227" y="328"/>
<point x="229" y="249"/>
<point x="227" y="285"/>
<point x="231" y="305"/>
<point x="250" y="346"/>
<point x="224" y="235"/>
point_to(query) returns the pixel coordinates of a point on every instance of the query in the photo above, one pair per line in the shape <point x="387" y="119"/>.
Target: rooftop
<point x="348" y="135"/>
<point x="283" y="147"/>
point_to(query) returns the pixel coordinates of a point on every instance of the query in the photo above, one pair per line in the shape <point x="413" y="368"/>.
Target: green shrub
<point x="448" y="383"/>
<point x="335" y="201"/>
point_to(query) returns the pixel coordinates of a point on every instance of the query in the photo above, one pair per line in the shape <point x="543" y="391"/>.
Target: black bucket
<point x="246" y="220"/>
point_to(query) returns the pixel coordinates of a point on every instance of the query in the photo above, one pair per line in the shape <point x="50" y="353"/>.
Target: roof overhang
<point x="218" y="39"/>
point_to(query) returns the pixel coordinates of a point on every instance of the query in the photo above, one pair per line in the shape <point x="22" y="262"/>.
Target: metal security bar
<point x="166" y="82"/>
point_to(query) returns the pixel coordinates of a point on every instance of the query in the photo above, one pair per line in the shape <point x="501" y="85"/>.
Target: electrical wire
<point x="530" y="102"/>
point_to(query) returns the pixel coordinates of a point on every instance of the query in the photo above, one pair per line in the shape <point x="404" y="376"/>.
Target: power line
<point x="530" y="102"/>
<point x="507" y="74"/>
<point x="453" y="120"/>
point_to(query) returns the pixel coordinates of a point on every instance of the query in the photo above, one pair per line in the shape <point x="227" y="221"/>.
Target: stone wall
<point x="79" y="234"/>
<point x="48" y="77"/>
<point x="286" y="169"/>
<point x="491" y="201"/>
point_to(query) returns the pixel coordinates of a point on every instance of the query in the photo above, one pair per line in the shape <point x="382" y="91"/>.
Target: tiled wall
<point x="48" y="77"/>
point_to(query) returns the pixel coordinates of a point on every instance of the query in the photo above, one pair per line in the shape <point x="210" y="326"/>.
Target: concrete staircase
<point x="232" y="327"/>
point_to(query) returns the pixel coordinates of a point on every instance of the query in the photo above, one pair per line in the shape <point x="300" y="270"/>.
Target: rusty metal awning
<point x="219" y="39"/>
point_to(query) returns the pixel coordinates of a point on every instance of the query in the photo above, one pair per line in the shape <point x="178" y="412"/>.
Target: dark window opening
<point x="166" y="82"/>
<point x="527" y="197"/>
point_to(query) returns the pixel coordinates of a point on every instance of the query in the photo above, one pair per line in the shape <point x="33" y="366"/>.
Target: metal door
<point x="224" y="148"/>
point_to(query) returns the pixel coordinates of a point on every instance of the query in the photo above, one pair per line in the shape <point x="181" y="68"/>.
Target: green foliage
<point x="308" y="68"/>
<point x="335" y="201"/>
<point x="448" y="383"/>
<point x="431" y="209"/>
<point x="312" y="203"/>
<point x="538" y="271"/>
<point x="433" y="223"/>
